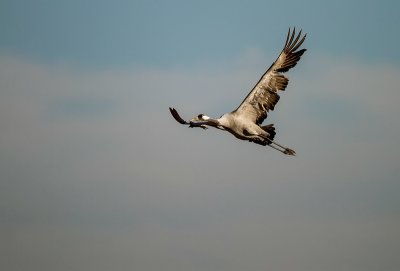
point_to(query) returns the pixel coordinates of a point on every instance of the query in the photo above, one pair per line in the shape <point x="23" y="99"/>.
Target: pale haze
<point x="95" y="174"/>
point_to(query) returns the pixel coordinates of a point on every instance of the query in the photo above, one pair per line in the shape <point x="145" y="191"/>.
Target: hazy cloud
<point x="96" y="175"/>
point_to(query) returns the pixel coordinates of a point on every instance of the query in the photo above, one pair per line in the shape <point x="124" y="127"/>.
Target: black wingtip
<point x="293" y="41"/>
<point x="176" y="116"/>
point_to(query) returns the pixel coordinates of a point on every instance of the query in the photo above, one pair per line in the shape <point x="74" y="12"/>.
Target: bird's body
<point x="245" y="122"/>
<point x="239" y="126"/>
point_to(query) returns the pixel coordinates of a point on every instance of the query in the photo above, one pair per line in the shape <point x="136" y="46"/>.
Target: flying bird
<point x="245" y="122"/>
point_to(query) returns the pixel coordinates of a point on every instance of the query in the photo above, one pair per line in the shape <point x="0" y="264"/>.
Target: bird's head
<point x="199" y="120"/>
<point x="200" y="117"/>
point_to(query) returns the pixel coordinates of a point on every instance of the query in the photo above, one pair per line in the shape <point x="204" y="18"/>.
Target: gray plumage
<point x="245" y="122"/>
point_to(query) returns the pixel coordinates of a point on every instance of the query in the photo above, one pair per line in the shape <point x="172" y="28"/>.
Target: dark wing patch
<point x="176" y="116"/>
<point x="264" y="96"/>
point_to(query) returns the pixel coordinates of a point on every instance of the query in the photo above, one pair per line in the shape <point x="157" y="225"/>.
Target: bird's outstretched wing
<point x="264" y="96"/>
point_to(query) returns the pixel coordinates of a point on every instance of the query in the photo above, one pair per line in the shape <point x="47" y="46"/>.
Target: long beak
<point x="201" y="124"/>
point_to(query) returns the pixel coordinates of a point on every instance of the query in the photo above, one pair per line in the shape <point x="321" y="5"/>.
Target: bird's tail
<point x="270" y="129"/>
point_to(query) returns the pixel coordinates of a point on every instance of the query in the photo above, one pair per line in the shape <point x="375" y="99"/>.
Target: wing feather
<point x="264" y="96"/>
<point x="176" y="116"/>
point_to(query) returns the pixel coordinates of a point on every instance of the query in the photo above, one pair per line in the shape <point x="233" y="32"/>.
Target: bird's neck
<point x="212" y="122"/>
<point x="215" y="123"/>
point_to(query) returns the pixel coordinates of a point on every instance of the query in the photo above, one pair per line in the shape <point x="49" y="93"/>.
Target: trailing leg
<point x="286" y="150"/>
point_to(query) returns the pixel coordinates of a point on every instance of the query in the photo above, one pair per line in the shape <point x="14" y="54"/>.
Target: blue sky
<point x="169" y="33"/>
<point x="96" y="175"/>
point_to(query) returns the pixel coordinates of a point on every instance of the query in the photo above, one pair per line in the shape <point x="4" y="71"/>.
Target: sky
<point x="96" y="175"/>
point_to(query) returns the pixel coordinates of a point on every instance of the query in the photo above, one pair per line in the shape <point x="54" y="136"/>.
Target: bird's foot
<point x="289" y="152"/>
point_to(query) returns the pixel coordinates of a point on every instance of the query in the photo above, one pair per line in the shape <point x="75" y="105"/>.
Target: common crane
<point x="246" y="121"/>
